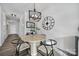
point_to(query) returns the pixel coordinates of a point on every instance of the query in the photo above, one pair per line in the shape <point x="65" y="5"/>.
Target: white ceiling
<point x="22" y="7"/>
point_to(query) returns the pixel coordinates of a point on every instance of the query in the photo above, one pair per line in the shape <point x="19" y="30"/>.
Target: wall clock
<point x="48" y="23"/>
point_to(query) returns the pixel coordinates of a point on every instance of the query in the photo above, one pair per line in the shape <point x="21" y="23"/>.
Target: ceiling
<point x="22" y="7"/>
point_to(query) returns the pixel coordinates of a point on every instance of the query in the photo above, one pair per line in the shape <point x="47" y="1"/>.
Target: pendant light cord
<point x="34" y="7"/>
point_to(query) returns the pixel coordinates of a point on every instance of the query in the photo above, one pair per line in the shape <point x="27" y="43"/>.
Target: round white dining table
<point x="33" y="40"/>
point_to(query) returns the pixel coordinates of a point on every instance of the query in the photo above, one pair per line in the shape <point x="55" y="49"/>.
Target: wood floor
<point x="9" y="49"/>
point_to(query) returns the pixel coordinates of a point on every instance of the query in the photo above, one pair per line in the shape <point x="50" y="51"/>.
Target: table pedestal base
<point x="33" y="49"/>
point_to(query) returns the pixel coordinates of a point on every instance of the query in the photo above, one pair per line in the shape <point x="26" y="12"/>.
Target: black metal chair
<point x="46" y="45"/>
<point x="20" y="45"/>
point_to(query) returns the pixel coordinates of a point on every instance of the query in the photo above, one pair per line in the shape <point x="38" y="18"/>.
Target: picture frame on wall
<point x="30" y="24"/>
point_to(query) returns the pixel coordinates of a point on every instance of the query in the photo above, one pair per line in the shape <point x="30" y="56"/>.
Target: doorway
<point x="12" y="25"/>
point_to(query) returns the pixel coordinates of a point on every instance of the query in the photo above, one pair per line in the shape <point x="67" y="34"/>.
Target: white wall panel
<point x="3" y="33"/>
<point x="0" y="25"/>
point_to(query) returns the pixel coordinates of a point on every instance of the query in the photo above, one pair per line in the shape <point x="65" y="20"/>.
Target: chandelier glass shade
<point x="35" y="15"/>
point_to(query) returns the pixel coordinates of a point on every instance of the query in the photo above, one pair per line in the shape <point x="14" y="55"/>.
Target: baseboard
<point x="62" y="53"/>
<point x="59" y="52"/>
<point x="72" y="52"/>
<point x="67" y="52"/>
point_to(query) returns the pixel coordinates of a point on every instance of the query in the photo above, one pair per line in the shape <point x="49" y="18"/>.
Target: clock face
<point x="48" y="23"/>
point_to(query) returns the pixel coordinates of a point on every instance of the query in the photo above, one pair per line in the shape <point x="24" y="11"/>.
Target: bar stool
<point x="46" y="44"/>
<point x="19" y="46"/>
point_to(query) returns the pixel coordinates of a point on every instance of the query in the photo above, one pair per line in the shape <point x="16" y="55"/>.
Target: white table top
<point x="33" y="38"/>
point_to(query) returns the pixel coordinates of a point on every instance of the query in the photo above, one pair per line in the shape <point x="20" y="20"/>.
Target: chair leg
<point x="17" y="53"/>
<point x="29" y="53"/>
<point x="52" y="50"/>
<point x="46" y="50"/>
<point x="17" y="49"/>
<point x="52" y="53"/>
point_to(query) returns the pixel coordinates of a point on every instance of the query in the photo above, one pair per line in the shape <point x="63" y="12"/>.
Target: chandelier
<point x="35" y="15"/>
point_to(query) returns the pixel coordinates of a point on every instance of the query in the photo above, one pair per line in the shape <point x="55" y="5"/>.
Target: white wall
<point x="66" y="19"/>
<point x="23" y="19"/>
<point x="2" y="27"/>
<point x="66" y="22"/>
<point x="22" y="25"/>
<point x="78" y="47"/>
<point x="12" y="28"/>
